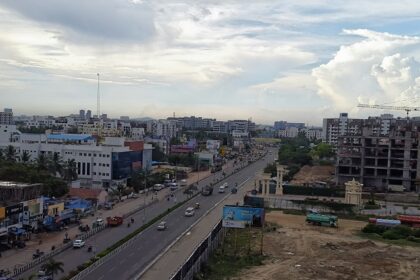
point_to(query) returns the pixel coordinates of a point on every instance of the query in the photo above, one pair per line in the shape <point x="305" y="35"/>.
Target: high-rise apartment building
<point x="6" y="117"/>
<point x="379" y="152"/>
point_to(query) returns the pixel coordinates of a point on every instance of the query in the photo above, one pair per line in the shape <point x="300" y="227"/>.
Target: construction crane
<point x="387" y="107"/>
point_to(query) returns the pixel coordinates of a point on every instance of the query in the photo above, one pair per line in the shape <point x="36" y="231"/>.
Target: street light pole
<point x="144" y="195"/>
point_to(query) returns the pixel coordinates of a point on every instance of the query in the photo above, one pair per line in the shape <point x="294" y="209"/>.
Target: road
<point x="73" y="258"/>
<point x="133" y="259"/>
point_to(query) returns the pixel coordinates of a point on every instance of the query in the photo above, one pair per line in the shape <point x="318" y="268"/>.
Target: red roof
<point x="85" y="193"/>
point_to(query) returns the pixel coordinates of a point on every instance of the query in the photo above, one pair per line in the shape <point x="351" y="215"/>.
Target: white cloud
<point x="377" y="69"/>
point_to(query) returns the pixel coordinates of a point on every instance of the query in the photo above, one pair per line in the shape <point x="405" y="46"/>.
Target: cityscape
<point x="209" y="140"/>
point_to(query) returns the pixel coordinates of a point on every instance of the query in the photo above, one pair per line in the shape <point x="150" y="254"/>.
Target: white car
<point x="189" y="212"/>
<point x="162" y="226"/>
<point x="226" y="185"/>
<point x="78" y="243"/>
<point x="100" y="222"/>
<point x="221" y="189"/>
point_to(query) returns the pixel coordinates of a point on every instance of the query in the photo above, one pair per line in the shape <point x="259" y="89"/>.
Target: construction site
<point x="297" y="250"/>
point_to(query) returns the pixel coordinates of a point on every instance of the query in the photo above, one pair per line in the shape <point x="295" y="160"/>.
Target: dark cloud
<point x="92" y="19"/>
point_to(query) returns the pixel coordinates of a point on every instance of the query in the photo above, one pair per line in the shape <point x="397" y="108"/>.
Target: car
<point x="78" y="243"/>
<point x="158" y="187"/>
<point x="221" y="189"/>
<point x="173" y="186"/>
<point x="183" y="182"/>
<point x="162" y="226"/>
<point x="99" y="222"/>
<point x="234" y="190"/>
<point x="189" y="212"/>
<point x="226" y="185"/>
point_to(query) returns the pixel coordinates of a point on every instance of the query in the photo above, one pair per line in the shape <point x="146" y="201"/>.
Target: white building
<point x="162" y="128"/>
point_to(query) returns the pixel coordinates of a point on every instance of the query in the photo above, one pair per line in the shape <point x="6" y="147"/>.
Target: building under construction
<point x="12" y="192"/>
<point x="380" y="152"/>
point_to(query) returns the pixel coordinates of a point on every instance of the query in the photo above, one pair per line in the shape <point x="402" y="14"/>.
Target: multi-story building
<point x="193" y="122"/>
<point x="379" y="152"/>
<point x="162" y="128"/>
<point x="313" y="133"/>
<point x="283" y="125"/>
<point x="334" y="127"/>
<point x="241" y="125"/>
<point x="6" y="117"/>
<point x="220" y="127"/>
<point x="97" y="165"/>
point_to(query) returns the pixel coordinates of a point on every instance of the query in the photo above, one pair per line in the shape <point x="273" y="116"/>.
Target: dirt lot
<point x="311" y="174"/>
<point x="300" y="251"/>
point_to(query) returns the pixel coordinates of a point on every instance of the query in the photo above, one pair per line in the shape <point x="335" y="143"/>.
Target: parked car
<point x="183" y="183"/>
<point x="161" y="226"/>
<point x="189" y="212"/>
<point x="158" y="187"/>
<point x="78" y="243"/>
<point x="173" y="186"/>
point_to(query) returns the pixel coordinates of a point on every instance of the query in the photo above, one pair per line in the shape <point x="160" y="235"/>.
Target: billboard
<point x="239" y="216"/>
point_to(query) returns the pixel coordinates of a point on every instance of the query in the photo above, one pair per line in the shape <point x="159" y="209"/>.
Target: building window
<point x="94" y="173"/>
<point x="94" y="155"/>
<point x="84" y="154"/>
<point x="94" y="164"/>
<point x="107" y="155"/>
<point x="90" y="154"/>
<point x="83" y="168"/>
<point x="88" y="168"/>
<point x="80" y="154"/>
<point x="78" y="168"/>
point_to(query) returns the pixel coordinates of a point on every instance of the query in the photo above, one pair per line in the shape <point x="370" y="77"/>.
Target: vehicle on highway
<point x="226" y="185"/>
<point x="207" y="190"/>
<point x="197" y="205"/>
<point x="98" y="222"/>
<point x="132" y="195"/>
<point x="158" y="187"/>
<point x="189" y="212"/>
<point x="162" y="226"/>
<point x="221" y="189"/>
<point x="43" y="275"/>
<point x="78" y="243"/>
<point x="173" y="186"/>
<point x="183" y="183"/>
<point x="234" y="190"/>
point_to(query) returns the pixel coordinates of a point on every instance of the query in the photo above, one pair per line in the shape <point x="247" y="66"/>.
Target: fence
<point x="200" y="254"/>
<point x="58" y="250"/>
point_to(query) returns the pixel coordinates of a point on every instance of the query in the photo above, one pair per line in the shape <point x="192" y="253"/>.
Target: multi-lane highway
<point x="133" y="259"/>
<point x="128" y="263"/>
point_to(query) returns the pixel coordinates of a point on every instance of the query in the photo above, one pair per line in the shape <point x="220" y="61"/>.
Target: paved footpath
<point x="179" y="253"/>
<point x="17" y="257"/>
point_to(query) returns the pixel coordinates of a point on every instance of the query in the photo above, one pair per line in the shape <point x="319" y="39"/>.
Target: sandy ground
<point x="311" y="174"/>
<point x="300" y="251"/>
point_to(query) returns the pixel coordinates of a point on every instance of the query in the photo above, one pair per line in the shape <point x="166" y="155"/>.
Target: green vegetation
<point x="322" y="150"/>
<point x="49" y="170"/>
<point x="52" y="267"/>
<point x="404" y="235"/>
<point x="271" y="168"/>
<point x="141" y="179"/>
<point x="189" y="160"/>
<point x="240" y="250"/>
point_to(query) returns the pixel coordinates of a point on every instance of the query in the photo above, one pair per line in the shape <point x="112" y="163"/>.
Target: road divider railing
<point x="200" y="254"/>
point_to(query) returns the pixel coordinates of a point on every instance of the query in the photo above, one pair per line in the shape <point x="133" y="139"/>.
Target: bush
<point x="372" y="206"/>
<point x="391" y="235"/>
<point x="372" y="228"/>
<point x="403" y="231"/>
<point x="416" y="233"/>
<point x="413" y="239"/>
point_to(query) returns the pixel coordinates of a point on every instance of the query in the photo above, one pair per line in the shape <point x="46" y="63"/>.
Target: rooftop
<point x="70" y="137"/>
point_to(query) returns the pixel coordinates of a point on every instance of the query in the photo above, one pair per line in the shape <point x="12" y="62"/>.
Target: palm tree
<point x="42" y="162"/>
<point x="1" y="155"/>
<point x="55" y="164"/>
<point x="11" y="153"/>
<point x="52" y="267"/>
<point x="25" y="157"/>
<point x="70" y="170"/>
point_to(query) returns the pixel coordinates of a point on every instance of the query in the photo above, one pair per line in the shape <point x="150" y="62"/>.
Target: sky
<point x="268" y="60"/>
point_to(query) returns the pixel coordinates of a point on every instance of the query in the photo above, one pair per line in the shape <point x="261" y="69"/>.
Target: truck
<point x="321" y="219"/>
<point x="114" y="221"/>
<point x="207" y="190"/>
<point x="384" y="222"/>
<point x="413" y="221"/>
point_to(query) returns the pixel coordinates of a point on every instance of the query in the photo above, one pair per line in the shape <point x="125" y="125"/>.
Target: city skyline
<point x="267" y="61"/>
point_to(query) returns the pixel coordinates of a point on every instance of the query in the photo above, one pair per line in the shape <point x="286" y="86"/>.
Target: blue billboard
<point x="239" y="216"/>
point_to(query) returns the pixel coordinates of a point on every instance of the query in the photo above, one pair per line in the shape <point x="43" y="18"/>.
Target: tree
<point x="70" y="170"/>
<point x="1" y="155"/>
<point x="157" y="154"/>
<point x="25" y="157"/>
<point x="55" y="164"/>
<point x="52" y="267"/>
<point x="322" y="150"/>
<point x="11" y="153"/>
<point x="271" y="168"/>
<point x="42" y="162"/>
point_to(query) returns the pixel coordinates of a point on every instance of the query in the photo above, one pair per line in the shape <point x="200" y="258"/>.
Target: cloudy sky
<point x="266" y="60"/>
